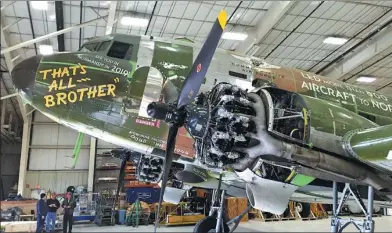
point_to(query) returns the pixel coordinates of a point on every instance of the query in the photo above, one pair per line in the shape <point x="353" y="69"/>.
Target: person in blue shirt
<point x="41" y="212"/>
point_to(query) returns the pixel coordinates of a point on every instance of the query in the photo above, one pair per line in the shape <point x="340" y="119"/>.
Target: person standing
<point x="69" y="205"/>
<point x="41" y="212"/>
<point x="53" y="204"/>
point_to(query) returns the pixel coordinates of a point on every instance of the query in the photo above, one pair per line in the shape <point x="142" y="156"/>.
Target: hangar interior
<point x="348" y="41"/>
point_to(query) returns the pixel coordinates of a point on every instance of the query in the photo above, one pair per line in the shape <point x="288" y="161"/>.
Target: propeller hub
<point x="167" y="112"/>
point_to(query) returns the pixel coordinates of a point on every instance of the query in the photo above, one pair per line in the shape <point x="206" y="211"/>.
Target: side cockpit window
<point x="104" y="46"/>
<point x="120" y="50"/>
<point x="90" y="47"/>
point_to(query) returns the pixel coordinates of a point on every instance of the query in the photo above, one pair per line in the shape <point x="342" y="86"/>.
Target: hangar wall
<point x="50" y="157"/>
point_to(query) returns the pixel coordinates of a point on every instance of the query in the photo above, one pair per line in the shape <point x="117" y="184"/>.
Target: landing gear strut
<point x="338" y="224"/>
<point x="216" y="222"/>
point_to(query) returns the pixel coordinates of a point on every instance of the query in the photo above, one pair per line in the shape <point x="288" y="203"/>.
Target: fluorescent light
<point x="39" y="5"/>
<point x="131" y="21"/>
<point x="234" y="36"/>
<point x="335" y="40"/>
<point x="366" y="79"/>
<point x="46" y="49"/>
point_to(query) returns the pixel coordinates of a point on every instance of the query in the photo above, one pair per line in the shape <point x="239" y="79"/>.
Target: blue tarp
<point x="148" y="195"/>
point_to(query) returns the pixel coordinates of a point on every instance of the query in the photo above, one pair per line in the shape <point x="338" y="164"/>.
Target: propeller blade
<point x="199" y="69"/>
<point x="171" y="143"/>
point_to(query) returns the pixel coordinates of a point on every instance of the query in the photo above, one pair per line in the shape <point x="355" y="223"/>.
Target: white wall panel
<point x="50" y="135"/>
<point x="39" y="117"/>
<point x="57" y="181"/>
<point x="52" y="146"/>
<point x="57" y="159"/>
<point x="68" y="136"/>
<point x="44" y="135"/>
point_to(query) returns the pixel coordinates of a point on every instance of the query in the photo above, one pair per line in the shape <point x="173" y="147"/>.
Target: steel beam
<point x="50" y="35"/>
<point x="3" y="109"/>
<point x="10" y="65"/>
<point x="9" y="4"/>
<point x="112" y="15"/>
<point x="13" y="23"/>
<point x="376" y="46"/>
<point x="60" y="24"/>
<point x="9" y="96"/>
<point x="24" y="155"/>
<point x="265" y="24"/>
<point x="91" y="164"/>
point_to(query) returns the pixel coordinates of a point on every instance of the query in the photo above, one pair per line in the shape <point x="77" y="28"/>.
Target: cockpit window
<point x="89" y="47"/>
<point x="104" y="45"/>
<point x="120" y="50"/>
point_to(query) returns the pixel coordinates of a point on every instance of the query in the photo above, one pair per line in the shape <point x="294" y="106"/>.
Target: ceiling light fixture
<point x="335" y="40"/>
<point x="234" y="36"/>
<point x="131" y="21"/>
<point x="45" y="49"/>
<point x="39" y="5"/>
<point x="366" y="79"/>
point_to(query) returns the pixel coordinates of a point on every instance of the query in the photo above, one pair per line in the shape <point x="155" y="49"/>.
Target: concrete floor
<point x="383" y="224"/>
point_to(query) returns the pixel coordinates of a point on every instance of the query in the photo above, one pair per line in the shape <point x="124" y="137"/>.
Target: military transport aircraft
<point x="273" y="133"/>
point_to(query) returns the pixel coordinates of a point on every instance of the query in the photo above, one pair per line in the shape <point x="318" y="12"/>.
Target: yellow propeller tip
<point x="222" y="18"/>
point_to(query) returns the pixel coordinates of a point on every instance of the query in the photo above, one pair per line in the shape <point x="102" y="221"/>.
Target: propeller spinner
<point x="174" y="114"/>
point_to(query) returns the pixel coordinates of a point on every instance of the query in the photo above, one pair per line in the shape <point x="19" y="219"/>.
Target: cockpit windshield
<point x="89" y="47"/>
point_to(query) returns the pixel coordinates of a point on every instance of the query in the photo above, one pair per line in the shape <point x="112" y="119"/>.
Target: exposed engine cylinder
<point x="230" y="113"/>
<point x="150" y="169"/>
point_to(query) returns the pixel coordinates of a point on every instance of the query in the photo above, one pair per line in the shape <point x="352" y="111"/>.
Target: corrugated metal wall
<point x="50" y="156"/>
<point x="51" y="146"/>
<point x="57" y="181"/>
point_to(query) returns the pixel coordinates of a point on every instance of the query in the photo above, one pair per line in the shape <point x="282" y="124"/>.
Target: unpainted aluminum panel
<point x="57" y="159"/>
<point x="56" y="181"/>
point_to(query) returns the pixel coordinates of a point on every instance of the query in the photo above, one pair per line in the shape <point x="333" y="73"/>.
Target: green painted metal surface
<point x="372" y="144"/>
<point x="331" y="118"/>
<point x="301" y="180"/>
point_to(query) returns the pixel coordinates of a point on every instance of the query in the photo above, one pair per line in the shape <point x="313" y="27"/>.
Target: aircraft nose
<point x="23" y="74"/>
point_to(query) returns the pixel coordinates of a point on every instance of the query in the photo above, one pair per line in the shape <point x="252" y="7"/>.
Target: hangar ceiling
<point x="286" y="33"/>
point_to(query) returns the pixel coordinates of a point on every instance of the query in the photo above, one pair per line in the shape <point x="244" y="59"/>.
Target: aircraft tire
<point x="303" y="209"/>
<point x="208" y="224"/>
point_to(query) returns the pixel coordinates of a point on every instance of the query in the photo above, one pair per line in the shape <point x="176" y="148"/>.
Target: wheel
<point x="208" y="224"/>
<point x="303" y="209"/>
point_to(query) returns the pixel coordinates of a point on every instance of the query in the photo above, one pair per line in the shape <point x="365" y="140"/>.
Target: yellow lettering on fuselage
<point x="60" y="98"/>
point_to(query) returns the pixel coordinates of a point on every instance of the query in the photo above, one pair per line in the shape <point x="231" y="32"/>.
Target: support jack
<point x="338" y="224"/>
<point x="216" y="222"/>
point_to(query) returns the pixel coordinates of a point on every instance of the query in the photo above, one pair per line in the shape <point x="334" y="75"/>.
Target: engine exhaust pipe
<point x="340" y="166"/>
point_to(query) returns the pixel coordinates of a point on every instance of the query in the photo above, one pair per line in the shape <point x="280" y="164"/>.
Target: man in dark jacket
<point x="69" y="205"/>
<point x="53" y="204"/>
<point x="41" y="212"/>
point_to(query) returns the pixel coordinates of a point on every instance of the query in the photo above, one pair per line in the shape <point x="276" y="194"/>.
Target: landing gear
<point x="338" y="224"/>
<point x="216" y="221"/>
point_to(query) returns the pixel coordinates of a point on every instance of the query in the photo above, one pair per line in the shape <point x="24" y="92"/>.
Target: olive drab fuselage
<point x="106" y="97"/>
